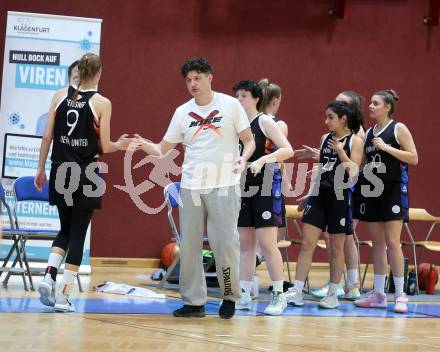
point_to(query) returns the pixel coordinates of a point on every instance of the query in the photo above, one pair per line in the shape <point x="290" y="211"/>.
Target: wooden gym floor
<point x="43" y="331"/>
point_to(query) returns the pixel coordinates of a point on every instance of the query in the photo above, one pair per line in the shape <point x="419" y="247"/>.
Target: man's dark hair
<point x="71" y="67"/>
<point x="199" y="64"/>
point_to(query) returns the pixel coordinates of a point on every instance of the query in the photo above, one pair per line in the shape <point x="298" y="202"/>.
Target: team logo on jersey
<point x="266" y="215"/>
<point x="395" y="209"/>
<point x="342" y="222"/>
<point x="206" y="123"/>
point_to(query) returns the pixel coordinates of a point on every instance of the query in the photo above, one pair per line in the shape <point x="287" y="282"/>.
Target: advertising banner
<point x="38" y="51"/>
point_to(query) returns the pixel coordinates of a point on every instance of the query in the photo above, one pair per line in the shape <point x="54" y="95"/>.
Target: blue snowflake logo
<point x="85" y="44"/>
<point x="14" y="118"/>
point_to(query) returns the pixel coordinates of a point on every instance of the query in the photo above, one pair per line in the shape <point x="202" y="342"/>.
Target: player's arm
<point x="156" y="149"/>
<point x="103" y="108"/>
<point x="351" y="164"/>
<point x="408" y="152"/>
<point x="40" y="177"/>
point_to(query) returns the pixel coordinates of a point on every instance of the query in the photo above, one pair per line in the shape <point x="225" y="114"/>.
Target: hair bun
<point x="394" y="94"/>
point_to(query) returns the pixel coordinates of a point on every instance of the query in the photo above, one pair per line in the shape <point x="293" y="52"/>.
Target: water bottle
<point x="255" y="289"/>
<point x="432" y="278"/>
<point x="411" y="284"/>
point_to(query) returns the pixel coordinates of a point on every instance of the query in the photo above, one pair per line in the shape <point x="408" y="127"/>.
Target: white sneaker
<point x="400" y="305"/>
<point x="330" y="301"/>
<point x="46" y="289"/>
<point x="244" y="303"/>
<point x="294" y="297"/>
<point x="277" y="304"/>
<point x="63" y="304"/>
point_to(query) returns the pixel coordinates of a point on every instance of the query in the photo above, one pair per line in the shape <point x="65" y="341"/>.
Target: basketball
<point x="422" y="274"/>
<point x="169" y="253"/>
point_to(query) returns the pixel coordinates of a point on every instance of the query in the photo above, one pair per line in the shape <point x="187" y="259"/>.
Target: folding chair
<point x="24" y="190"/>
<point x="285" y="243"/>
<point x="418" y="214"/>
<point x="16" y="248"/>
<point x="293" y="214"/>
<point x="172" y="199"/>
<point x="415" y="214"/>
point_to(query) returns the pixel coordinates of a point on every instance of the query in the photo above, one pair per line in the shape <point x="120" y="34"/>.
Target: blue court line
<point x="125" y="305"/>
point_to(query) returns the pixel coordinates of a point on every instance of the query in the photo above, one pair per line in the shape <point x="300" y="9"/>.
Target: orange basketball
<point x="169" y="253"/>
<point x="422" y="274"/>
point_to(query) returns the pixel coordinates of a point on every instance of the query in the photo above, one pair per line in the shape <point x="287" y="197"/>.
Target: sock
<point x="67" y="282"/>
<point x="379" y="283"/>
<point x="398" y="284"/>
<point x="53" y="264"/>
<point x="352" y="278"/>
<point x="298" y="285"/>
<point x="333" y="288"/>
<point x="277" y="286"/>
<point x="255" y="285"/>
<point x="246" y="286"/>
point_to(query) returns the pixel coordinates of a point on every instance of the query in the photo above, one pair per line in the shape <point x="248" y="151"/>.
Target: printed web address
<point x="23" y="163"/>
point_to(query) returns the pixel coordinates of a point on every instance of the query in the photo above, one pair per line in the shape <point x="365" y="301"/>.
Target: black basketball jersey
<point x="329" y="160"/>
<point x="270" y="147"/>
<point x="263" y="146"/>
<point x="76" y="131"/>
<point x="396" y="171"/>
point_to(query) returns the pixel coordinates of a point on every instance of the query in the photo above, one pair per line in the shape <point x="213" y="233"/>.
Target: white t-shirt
<point x="210" y="136"/>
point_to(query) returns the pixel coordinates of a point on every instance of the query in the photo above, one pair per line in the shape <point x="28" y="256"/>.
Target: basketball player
<point x="79" y="126"/>
<point x="270" y="105"/>
<point x="351" y="254"/>
<point x="328" y="207"/>
<point x="389" y="149"/>
<point x="261" y="213"/>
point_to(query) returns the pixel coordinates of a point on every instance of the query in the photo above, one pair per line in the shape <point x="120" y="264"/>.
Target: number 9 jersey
<point x="76" y="130"/>
<point x="76" y="140"/>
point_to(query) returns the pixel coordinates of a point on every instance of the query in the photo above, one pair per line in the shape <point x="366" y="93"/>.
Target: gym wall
<point x="311" y="55"/>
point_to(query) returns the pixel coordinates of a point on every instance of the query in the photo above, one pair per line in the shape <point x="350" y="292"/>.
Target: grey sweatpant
<point x="217" y="209"/>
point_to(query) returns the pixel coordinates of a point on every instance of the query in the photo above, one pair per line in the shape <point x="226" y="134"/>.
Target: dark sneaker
<point x="227" y="309"/>
<point x="188" y="311"/>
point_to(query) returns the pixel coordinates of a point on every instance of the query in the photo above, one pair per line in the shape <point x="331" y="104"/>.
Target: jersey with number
<point x="329" y="160"/>
<point x="396" y="171"/>
<point x="76" y="130"/>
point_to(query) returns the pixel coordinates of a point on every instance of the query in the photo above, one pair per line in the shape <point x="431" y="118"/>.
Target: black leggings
<point x="74" y="223"/>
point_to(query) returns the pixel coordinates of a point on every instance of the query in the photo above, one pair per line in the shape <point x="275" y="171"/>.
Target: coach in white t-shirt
<point x="209" y="126"/>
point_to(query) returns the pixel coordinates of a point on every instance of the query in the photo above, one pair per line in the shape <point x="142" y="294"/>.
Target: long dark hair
<point x="356" y="101"/>
<point x="342" y="108"/>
